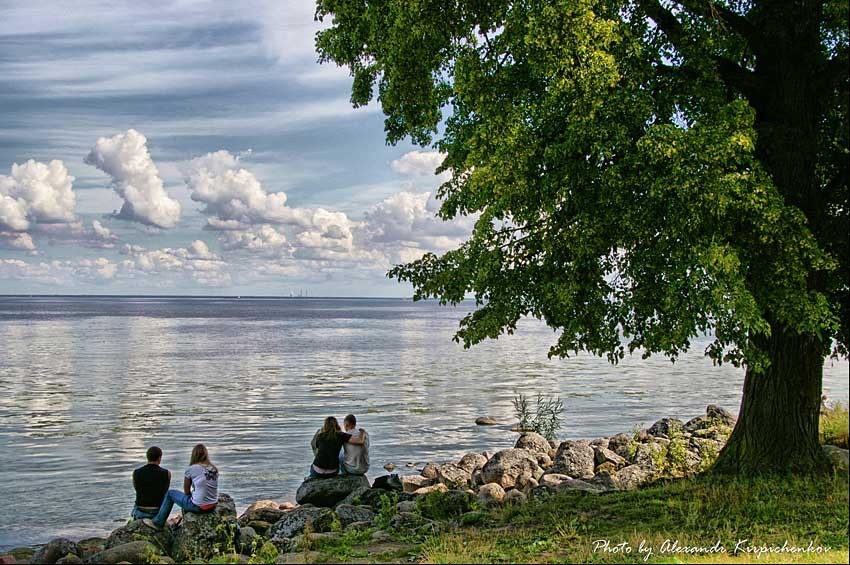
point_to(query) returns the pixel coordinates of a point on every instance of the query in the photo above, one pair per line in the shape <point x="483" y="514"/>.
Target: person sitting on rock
<point x="326" y="444"/>
<point x="354" y="458"/>
<point x="151" y="482"/>
<point x="200" y="488"/>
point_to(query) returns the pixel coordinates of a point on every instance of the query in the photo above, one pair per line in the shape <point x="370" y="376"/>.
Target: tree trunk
<point x="777" y="428"/>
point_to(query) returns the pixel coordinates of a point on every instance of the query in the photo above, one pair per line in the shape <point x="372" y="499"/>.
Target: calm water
<point x="86" y="384"/>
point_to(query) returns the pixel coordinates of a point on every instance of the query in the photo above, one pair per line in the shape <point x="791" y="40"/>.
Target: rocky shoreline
<point x="535" y="467"/>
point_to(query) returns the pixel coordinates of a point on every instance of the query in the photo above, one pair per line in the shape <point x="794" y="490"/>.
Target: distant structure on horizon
<point x="301" y="293"/>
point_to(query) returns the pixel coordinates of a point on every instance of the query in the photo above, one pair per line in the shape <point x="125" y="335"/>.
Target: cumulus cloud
<point x="418" y="163"/>
<point x="135" y="178"/>
<point x="36" y="193"/>
<point x="98" y="236"/>
<point x="195" y="261"/>
<point x="19" y="241"/>
<point x="263" y="239"/>
<point x="56" y="272"/>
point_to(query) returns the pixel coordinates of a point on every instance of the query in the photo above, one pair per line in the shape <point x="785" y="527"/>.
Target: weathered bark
<point x="777" y="428"/>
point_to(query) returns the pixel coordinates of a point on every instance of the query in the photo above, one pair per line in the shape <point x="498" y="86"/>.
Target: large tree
<point x="645" y="171"/>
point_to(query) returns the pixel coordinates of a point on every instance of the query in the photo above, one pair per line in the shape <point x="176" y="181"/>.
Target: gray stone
<point x="552" y="480"/>
<point x="486" y="421"/>
<point x="665" y="426"/>
<point x="348" y="514"/>
<point x="619" y="444"/>
<point x="329" y="491"/>
<point x="411" y="483"/>
<point x="54" y="550"/>
<point x="604" y="480"/>
<point x="533" y="442"/>
<point x="439" y="487"/>
<point x="430" y="471"/>
<point x="600" y="442"/>
<point x="133" y="552"/>
<point x="453" y="476"/>
<point x="70" y="559"/>
<point x="574" y="458"/>
<point x="491" y="494"/>
<point x="138" y="531"/>
<point x="649" y="455"/>
<point x="472" y="462"/>
<point x="719" y="414"/>
<point x="295" y="521"/>
<point x="633" y="476"/>
<point x="514" y="497"/>
<point x="406" y="506"/>
<point x="407" y="520"/>
<point x="202" y="535"/>
<point x="544" y="461"/>
<point x="837" y="456"/>
<point x="505" y="466"/>
<point x="604" y="455"/>
<point x="249" y="540"/>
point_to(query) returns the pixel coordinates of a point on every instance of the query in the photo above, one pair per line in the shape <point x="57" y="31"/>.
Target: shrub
<point x="834" y="424"/>
<point x="546" y="417"/>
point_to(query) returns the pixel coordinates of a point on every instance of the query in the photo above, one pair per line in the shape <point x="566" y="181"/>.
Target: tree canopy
<point x="644" y="171"/>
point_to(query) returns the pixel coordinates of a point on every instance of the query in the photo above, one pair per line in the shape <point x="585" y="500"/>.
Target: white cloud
<point x="36" y="193"/>
<point x="20" y="241"/>
<point x="262" y="239"/>
<point x="135" y="178"/>
<point x="418" y="163"/>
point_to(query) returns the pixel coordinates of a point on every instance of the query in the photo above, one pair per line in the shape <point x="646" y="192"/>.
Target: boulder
<point x="619" y="444"/>
<point x="200" y="536"/>
<point x="259" y="526"/>
<point x="602" y="455"/>
<point x="406" y="506"/>
<point x="505" y="466"/>
<point x="349" y="514"/>
<point x="472" y="462"/>
<point x="407" y="520"/>
<point x="54" y="550"/>
<point x="412" y="482"/>
<point x="665" y="426"/>
<point x="249" y="540"/>
<point x="604" y="480"/>
<point x="486" y="421"/>
<point x="295" y="521"/>
<point x="388" y="482"/>
<point x="574" y="458"/>
<point x="263" y="510"/>
<point x="633" y="476"/>
<point x="514" y="497"/>
<point x="600" y="442"/>
<point x="138" y="531"/>
<point x="89" y="546"/>
<point x="491" y="494"/>
<point x="837" y="456"/>
<point x="70" y="559"/>
<point x="526" y="481"/>
<point x="301" y="541"/>
<point x="552" y="480"/>
<point x="329" y="491"/>
<point x="533" y="442"/>
<point x="649" y="455"/>
<point x="134" y="552"/>
<point x="453" y="476"/>
<point x="720" y="415"/>
<point x="430" y="471"/>
<point x="544" y="461"/>
<point x="439" y="487"/>
<point x="356" y="496"/>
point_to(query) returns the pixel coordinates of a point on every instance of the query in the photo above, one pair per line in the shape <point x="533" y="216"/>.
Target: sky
<point x="198" y="148"/>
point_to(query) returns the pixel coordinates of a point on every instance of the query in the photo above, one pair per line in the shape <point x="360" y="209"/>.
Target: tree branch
<point x="735" y="21"/>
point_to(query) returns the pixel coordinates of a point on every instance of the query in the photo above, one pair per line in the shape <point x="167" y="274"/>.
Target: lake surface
<point x="87" y="384"/>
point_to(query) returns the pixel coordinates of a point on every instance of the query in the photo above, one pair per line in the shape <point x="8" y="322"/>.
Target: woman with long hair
<point x="326" y="444"/>
<point x="200" y="488"/>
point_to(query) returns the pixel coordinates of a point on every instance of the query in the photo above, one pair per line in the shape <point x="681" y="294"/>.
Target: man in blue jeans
<point x="151" y="482"/>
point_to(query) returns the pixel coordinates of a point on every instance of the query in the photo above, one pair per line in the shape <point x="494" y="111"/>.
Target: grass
<point x="700" y="512"/>
<point x="834" y="424"/>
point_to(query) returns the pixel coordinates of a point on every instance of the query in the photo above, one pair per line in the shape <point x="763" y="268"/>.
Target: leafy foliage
<point x="637" y="174"/>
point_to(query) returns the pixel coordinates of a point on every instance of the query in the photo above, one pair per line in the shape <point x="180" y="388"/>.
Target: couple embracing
<point x="340" y="452"/>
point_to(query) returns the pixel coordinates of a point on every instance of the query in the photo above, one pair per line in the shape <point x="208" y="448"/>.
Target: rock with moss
<point x="137" y="530"/>
<point x="634" y="476"/>
<point x="574" y="458"/>
<point x="621" y="444"/>
<point x="54" y="550"/>
<point x="602" y="455"/>
<point x="348" y="513"/>
<point x="533" y="442"/>
<point x="665" y="426"/>
<point x="454" y="476"/>
<point x="327" y="492"/>
<point x="70" y="559"/>
<point x="134" y="552"/>
<point x="515" y="497"/>
<point x="837" y="456"/>
<point x="202" y="535"/>
<point x="317" y="519"/>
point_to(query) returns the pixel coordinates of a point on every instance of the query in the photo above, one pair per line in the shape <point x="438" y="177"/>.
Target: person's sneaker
<point x="149" y="523"/>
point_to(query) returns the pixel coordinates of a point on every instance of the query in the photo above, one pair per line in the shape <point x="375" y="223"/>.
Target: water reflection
<point x="87" y="384"/>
